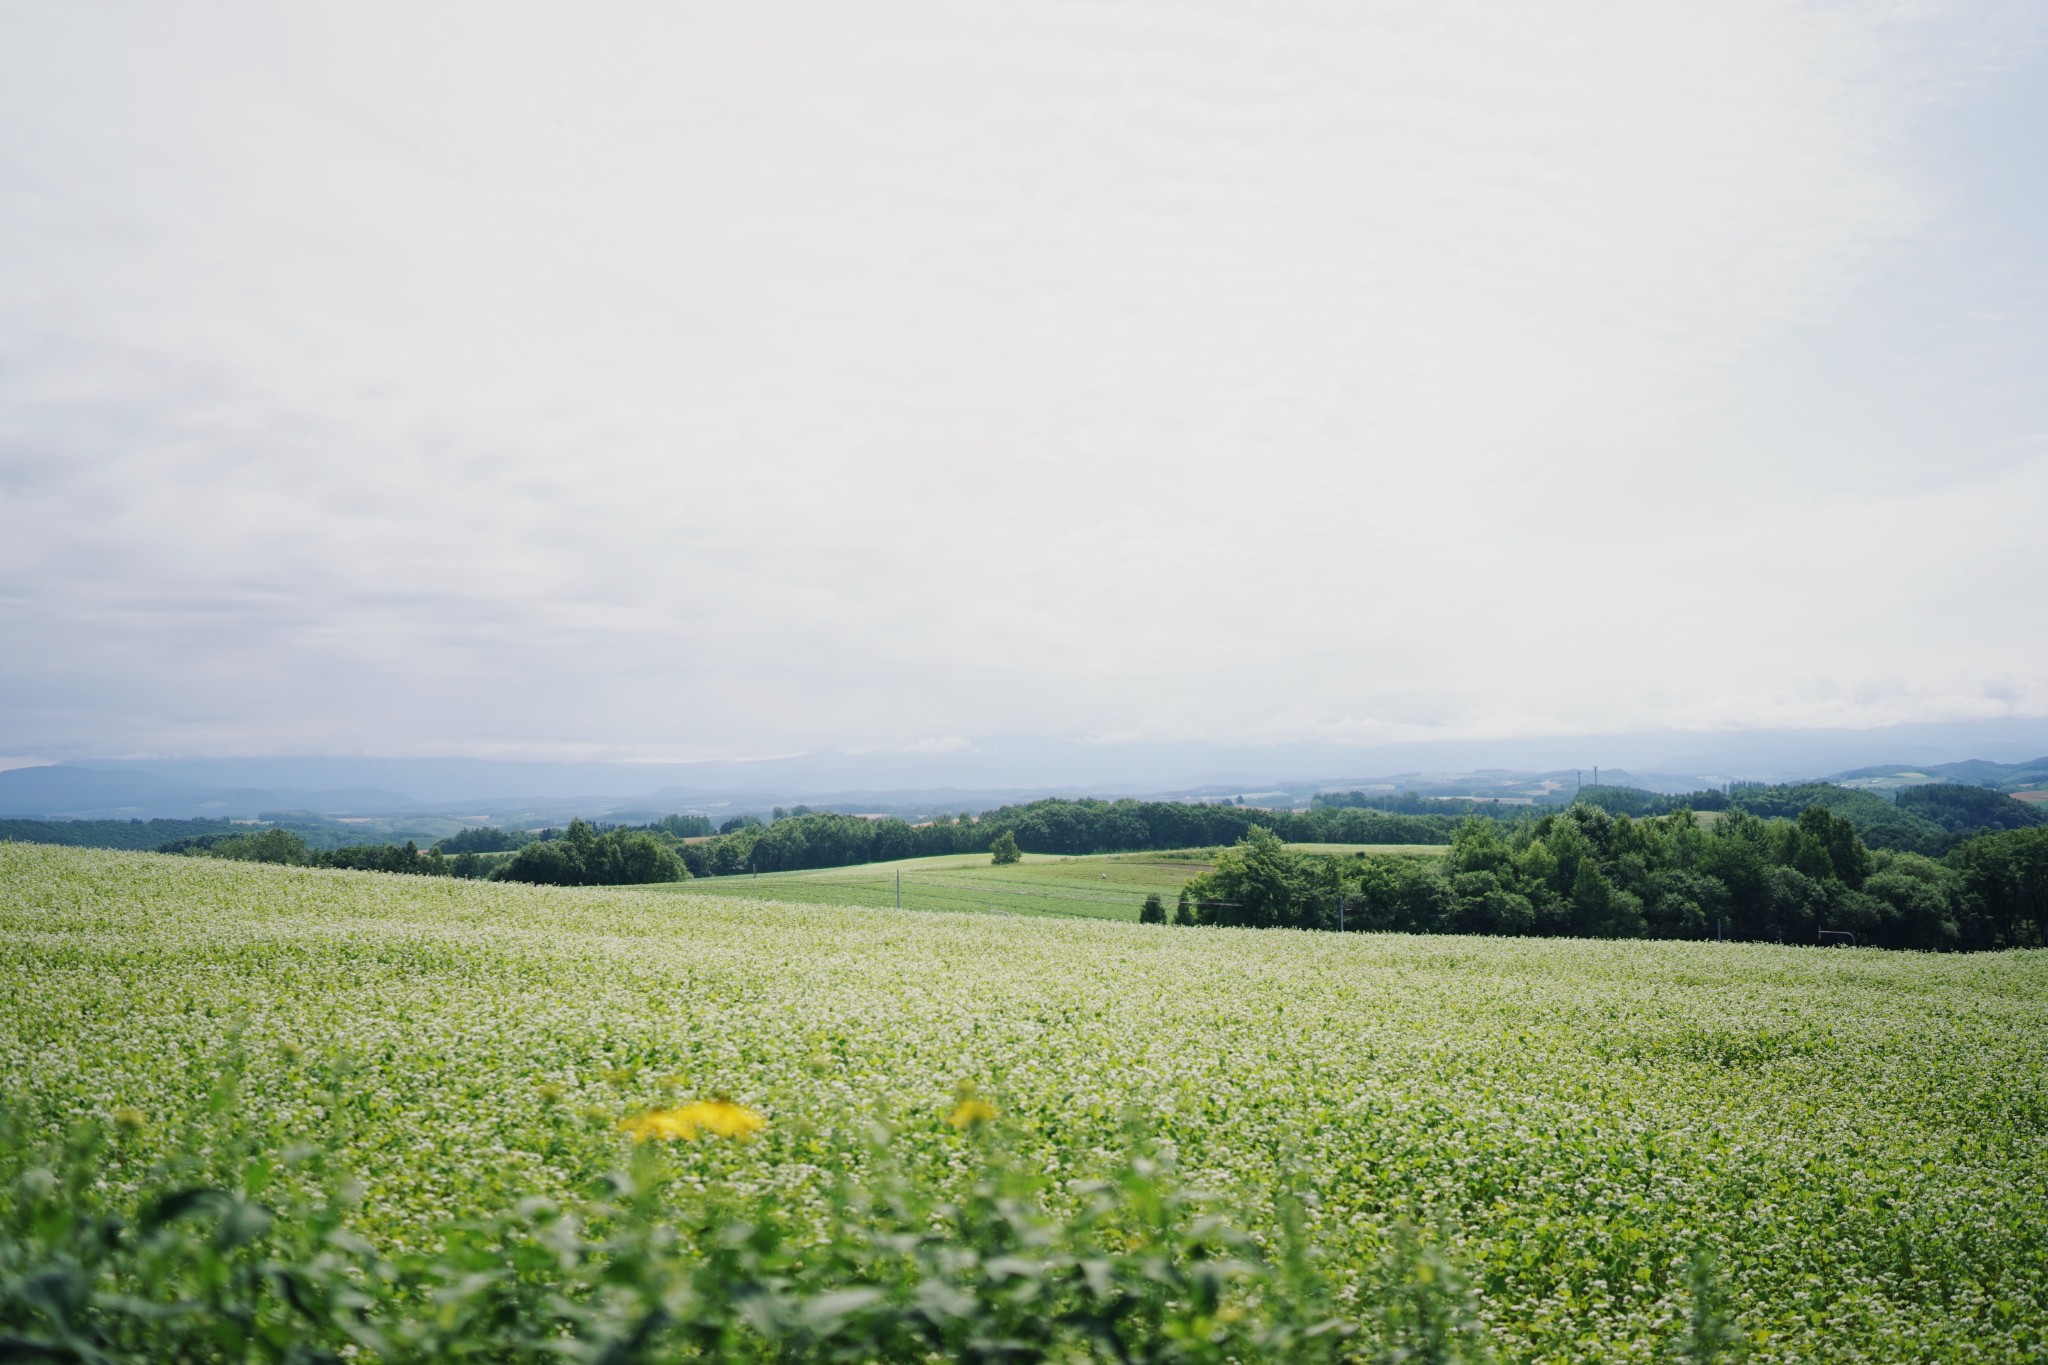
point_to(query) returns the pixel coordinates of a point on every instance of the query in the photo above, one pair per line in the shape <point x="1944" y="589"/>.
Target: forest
<point x="288" y="847"/>
<point x="1930" y="819"/>
<point x="130" y="834"/>
<point x="1582" y="872"/>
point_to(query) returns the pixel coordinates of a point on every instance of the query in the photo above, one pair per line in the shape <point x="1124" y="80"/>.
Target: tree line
<point x="677" y="847"/>
<point x="1585" y="873"/>
<point x="286" y="846"/>
<point x="1931" y="818"/>
<point x="1054" y="825"/>
<point x="128" y="834"/>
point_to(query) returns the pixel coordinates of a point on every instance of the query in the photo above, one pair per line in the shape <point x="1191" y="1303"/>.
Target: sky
<point x="697" y="381"/>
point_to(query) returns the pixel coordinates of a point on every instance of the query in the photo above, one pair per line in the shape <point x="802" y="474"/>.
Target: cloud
<point x="740" y="379"/>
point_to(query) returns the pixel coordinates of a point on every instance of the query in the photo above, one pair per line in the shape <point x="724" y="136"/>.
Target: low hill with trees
<point x="1054" y="825"/>
<point x="584" y="857"/>
<point x="1929" y="819"/>
<point x="1585" y="873"/>
<point x="126" y="834"/>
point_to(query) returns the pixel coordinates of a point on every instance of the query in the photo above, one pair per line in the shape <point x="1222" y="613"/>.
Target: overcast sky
<point x="721" y="380"/>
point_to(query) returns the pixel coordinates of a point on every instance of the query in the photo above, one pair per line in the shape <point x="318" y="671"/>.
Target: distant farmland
<point x="1103" y="886"/>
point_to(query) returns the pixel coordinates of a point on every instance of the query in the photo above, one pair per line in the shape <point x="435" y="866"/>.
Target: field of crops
<point x="1111" y="886"/>
<point x="1850" y="1147"/>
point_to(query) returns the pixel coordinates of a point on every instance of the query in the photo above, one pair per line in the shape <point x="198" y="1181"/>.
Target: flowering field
<point x="1848" y="1148"/>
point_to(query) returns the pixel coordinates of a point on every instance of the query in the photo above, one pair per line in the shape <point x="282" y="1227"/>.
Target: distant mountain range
<point x="63" y="790"/>
<point x="985" y="773"/>
<point x="2031" y="775"/>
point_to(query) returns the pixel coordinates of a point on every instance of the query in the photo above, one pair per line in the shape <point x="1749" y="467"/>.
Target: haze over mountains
<point x="989" y="772"/>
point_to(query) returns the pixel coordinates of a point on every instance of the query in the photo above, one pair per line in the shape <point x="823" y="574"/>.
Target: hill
<point x="317" y="831"/>
<point x="1103" y="886"/>
<point x="1976" y="772"/>
<point x="1929" y="818"/>
<point x="128" y="834"/>
<point x="1578" y="1144"/>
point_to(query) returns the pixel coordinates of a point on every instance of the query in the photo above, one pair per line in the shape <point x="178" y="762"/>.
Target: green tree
<point x="583" y="857"/>
<point x="1003" y="849"/>
<point x="1600" y="909"/>
<point x="545" y="862"/>
<point x="1794" y="905"/>
<point x="1258" y="884"/>
<point x="1184" y="912"/>
<point x="1922" y="893"/>
<point x="632" y="858"/>
<point x="1487" y="907"/>
<point x="1153" y="911"/>
<point x="2005" y="878"/>
<point x="1823" y="846"/>
<point x="271" y="846"/>
<point x="1684" y="904"/>
<point x="1478" y="846"/>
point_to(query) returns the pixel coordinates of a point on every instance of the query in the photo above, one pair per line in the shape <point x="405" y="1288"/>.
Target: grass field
<point x="1111" y="886"/>
<point x="1857" y="1140"/>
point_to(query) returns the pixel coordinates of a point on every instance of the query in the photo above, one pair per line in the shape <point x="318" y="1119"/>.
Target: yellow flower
<point x="659" y="1123"/>
<point x="971" y="1111"/>
<point x="725" y="1118"/>
<point x="720" y="1117"/>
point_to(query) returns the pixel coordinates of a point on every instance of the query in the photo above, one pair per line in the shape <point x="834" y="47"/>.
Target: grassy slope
<point x="1111" y="886"/>
<point x="1861" y="1137"/>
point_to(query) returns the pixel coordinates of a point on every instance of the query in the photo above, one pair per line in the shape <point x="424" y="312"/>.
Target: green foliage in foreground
<point x="662" y="1261"/>
<point x="1856" y="1141"/>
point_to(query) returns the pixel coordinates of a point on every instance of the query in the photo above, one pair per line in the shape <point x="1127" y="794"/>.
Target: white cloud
<point x="745" y="378"/>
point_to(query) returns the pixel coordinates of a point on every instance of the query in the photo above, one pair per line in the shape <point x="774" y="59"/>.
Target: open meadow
<point x="1603" y="1150"/>
<point x="1098" y="886"/>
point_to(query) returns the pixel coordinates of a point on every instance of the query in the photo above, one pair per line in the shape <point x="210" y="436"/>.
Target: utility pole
<point x="1340" y="912"/>
<point x="899" y="888"/>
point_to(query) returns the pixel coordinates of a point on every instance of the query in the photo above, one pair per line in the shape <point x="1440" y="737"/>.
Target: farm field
<point x="1102" y="886"/>
<point x="1853" y="1144"/>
